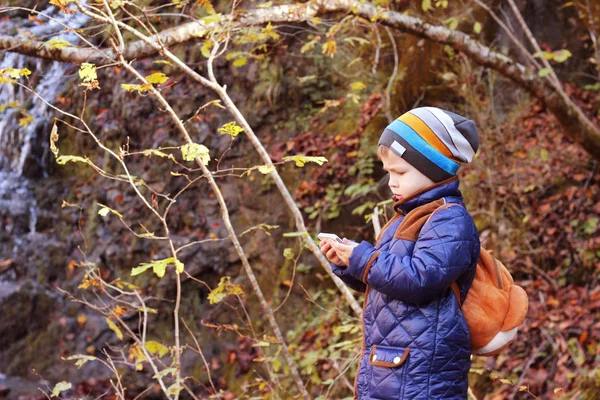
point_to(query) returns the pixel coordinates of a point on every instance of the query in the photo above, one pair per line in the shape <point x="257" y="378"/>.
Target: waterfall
<point x="24" y="150"/>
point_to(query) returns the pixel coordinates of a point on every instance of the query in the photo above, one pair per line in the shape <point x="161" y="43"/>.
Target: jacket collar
<point x="448" y="187"/>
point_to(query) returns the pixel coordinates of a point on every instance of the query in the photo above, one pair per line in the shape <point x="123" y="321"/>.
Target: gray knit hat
<point x="432" y="140"/>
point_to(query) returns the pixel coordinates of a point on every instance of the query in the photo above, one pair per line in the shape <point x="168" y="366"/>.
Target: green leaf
<point x="157" y="348"/>
<point x="452" y="23"/>
<point x="87" y="72"/>
<point x="288" y="253"/>
<point x="261" y="343"/>
<point x="426" y="5"/>
<point x="231" y="128"/>
<point x="295" y="234"/>
<point x="301" y="159"/>
<point x="114" y="328"/>
<point x="62" y="160"/>
<point x="114" y="4"/>
<point x="308" y="46"/>
<point x="157" y="78"/>
<point x="165" y="372"/>
<point x="353" y="39"/>
<point x="224" y="288"/>
<point x="158" y="153"/>
<point x="60" y="387"/>
<point x="544" y="72"/>
<point x="477" y="27"/>
<point x="190" y="151"/>
<point x="265" y="5"/>
<point x="57" y="43"/>
<point x="81" y="359"/>
<point x="562" y="55"/>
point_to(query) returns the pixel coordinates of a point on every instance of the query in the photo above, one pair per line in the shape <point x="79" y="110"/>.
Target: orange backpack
<point x="495" y="306"/>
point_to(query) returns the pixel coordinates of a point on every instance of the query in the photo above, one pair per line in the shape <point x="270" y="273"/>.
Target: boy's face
<point x="404" y="178"/>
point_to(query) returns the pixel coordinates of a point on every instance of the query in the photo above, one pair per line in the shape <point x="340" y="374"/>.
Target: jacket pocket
<point x="386" y="364"/>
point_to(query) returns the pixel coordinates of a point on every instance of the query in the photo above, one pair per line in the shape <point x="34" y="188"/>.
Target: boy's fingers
<point x="331" y="254"/>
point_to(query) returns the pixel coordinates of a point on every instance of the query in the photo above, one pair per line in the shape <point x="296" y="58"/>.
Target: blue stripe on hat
<point x="416" y="141"/>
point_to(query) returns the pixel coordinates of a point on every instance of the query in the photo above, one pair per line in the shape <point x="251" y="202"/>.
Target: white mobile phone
<point x="333" y="236"/>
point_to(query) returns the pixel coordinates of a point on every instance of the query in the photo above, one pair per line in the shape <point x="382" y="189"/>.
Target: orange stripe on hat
<point x="426" y="133"/>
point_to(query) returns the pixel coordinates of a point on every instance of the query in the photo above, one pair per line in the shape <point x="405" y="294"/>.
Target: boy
<point x="416" y="341"/>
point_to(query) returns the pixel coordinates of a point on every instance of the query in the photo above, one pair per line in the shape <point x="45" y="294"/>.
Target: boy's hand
<point x="329" y="252"/>
<point x="341" y="251"/>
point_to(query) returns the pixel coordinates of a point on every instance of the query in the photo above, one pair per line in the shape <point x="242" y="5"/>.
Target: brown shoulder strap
<point x="413" y="222"/>
<point x="456" y="290"/>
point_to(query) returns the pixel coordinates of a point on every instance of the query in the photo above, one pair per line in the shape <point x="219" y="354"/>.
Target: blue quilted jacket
<point x="416" y="341"/>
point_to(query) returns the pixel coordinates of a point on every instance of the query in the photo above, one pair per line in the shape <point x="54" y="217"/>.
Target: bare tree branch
<point x="577" y="125"/>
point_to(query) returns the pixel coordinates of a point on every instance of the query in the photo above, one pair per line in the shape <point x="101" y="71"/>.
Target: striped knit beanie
<point x="432" y="140"/>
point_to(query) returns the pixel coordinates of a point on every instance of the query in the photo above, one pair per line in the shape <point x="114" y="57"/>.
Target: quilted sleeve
<point x="447" y="246"/>
<point x="349" y="280"/>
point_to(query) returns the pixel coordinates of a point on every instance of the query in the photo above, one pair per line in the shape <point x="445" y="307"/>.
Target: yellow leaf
<point x="269" y="31"/>
<point x="207" y="46"/>
<point x="81" y="359"/>
<point x="301" y="159"/>
<point x="62" y="4"/>
<point x="266" y="169"/>
<point x="329" y="48"/>
<point x="159" y="267"/>
<point x="114" y="328"/>
<point x="224" y="288"/>
<point x="136" y="354"/>
<point x="215" y="18"/>
<point x="240" y="62"/>
<point x="265" y="5"/>
<point x="207" y="6"/>
<point x="26" y="120"/>
<point x="477" y="27"/>
<point x="190" y="151"/>
<point x="358" y="86"/>
<point x="130" y="87"/>
<point x="157" y="348"/>
<point x="104" y="210"/>
<point x="157" y="78"/>
<point x="231" y="128"/>
<point x="65" y="159"/>
<point x="53" y="140"/>
<point x="57" y="43"/>
<point x="120" y="311"/>
<point x="81" y="319"/>
<point x="87" y="72"/>
<point x="60" y="387"/>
